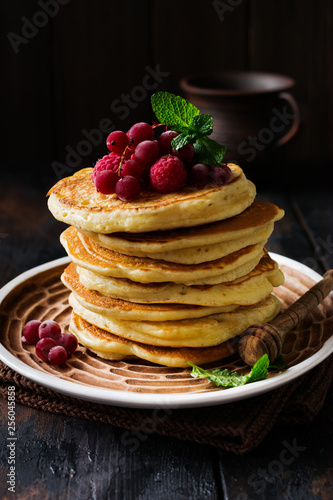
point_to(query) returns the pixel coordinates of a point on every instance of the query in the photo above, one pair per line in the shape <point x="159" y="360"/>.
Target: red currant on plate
<point x="68" y="341"/>
<point x="50" y="329"/>
<point x="43" y="347"/>
<point x="57" y="355"/>
<point x="30" y="331"/>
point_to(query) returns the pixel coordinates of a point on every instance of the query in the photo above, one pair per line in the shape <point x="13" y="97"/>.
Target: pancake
<point x="75" y="200"/>
<point x="207" y="331"/>
<point x="124" y="310"/>
<point x="247" y="290"/>
<point x="199" y="244"/>
<point x="88" y="254"/>
<point x="108" y="346"/>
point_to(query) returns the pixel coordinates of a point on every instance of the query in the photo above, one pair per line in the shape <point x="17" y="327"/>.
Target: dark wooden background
<point x="67" y="74"/>
<point x="63" y="81"/>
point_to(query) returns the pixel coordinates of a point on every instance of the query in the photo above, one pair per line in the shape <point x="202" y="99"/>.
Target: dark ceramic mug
<point x="253" y="112"/>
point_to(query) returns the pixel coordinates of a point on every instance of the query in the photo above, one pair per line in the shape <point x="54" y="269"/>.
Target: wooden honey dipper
<point x="267" y="338"/>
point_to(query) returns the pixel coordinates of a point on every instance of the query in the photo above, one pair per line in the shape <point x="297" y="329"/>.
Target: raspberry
<point x="168" y="174"/>
<point x="108" y="162"/>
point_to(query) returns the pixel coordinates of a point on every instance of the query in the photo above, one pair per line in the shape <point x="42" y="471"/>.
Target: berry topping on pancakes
<point x="143" y="158"/>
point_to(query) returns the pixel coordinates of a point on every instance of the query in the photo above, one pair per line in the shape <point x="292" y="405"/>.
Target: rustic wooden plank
<point x="315" y="214"/>
<point x="75" y="458"/>
<point x="199" y="38"/>
<point x="288" y="238"/>
<point x="293" y="462"/>
<point x="295" y="38"/>
<point x="100" y="60"/>
<point x="29" y="235"/>
<point x="27" y="109"/>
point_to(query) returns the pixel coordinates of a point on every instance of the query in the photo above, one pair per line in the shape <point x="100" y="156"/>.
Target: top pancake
<point x="76" y="201"/>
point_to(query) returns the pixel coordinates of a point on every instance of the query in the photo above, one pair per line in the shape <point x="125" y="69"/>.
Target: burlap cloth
<point x="236" y="427"/>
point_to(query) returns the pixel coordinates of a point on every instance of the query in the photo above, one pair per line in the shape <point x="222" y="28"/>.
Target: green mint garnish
<point x="226" y="378"/>
<point x="193" y="127"/>
<point x="173" y="111"/>
<point x="209" y="151"/>
<point x="279" y="364"/>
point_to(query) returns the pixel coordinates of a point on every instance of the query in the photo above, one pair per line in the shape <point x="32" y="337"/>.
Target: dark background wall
<point x="86" y="66"/>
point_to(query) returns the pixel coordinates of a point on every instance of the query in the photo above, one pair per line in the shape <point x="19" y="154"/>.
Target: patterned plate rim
<point x="148" y="400"/>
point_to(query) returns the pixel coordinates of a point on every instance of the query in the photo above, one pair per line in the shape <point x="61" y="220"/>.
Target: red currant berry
<point x="199" y="174"/>
<point x="68" y="341"/>
<point x="105" y="181"/>
<point x="185" y="153"/>
<point x="57" y="355"/>
<point x="164" y="142"/>
<point x="221" y="175"/>
<point x="140" y="132"/>
<point x="128" y="188"/>
<point x="147" y="152"/>
<point x="30" y="331"/>
<point x="134" y="168"/>
<point x="43" y="346"/>
<point x="117" y="142"/>
<point x="49" y="329"/>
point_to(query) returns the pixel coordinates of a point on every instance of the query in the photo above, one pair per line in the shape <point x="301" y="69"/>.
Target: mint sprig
<point x="173" y="111"/>
<point x="226" y="378"/>
<point x="193" y="127"/>
<point x="209" y="151"/>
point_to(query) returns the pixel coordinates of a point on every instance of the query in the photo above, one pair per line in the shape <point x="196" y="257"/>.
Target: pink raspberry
<point x="168" y="174"/>
<point x="109" y="162"/>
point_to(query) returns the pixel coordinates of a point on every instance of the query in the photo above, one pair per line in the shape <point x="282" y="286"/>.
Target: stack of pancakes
<point x="168" y="278"/>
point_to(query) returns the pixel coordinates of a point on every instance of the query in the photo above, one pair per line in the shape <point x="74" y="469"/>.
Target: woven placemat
<point x="236" y="427"/>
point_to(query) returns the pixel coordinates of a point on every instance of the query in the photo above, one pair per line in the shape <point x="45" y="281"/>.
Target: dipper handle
<point x="267" y="338"/>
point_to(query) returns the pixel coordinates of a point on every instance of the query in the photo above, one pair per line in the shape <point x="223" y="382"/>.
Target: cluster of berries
<point x="136" y="158"/>
<point x="51" y="344"/>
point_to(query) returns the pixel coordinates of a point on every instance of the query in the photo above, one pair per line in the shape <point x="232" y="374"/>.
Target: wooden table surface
<point x="70" y="458"/>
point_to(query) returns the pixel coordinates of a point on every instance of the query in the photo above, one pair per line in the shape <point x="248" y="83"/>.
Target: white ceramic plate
<point x="147" y="400"/>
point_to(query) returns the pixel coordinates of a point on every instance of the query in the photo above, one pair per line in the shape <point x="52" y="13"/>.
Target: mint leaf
<point x="194" y="127"/>
<point x="202" y="125"/>
<point x="279" y="364"/>
<point x="227" y="378"/>
<point x="173" y="111"/>
<point x="209" y="152"/>
<point x="259" y="370"/>
<point x="219" y="377"/>
<point x="182" y="139"/>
